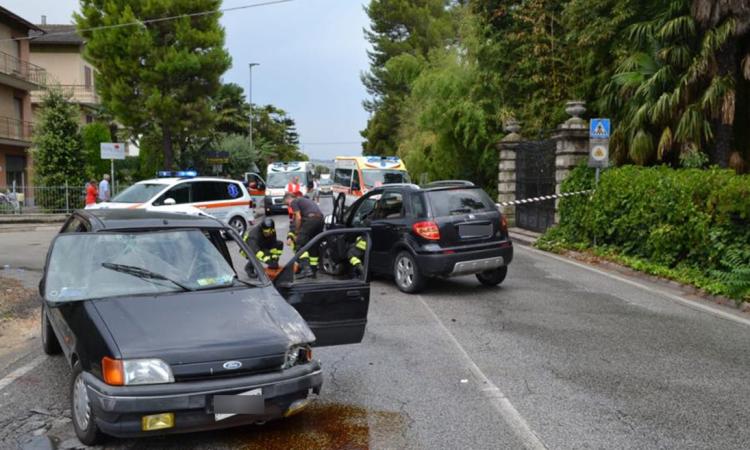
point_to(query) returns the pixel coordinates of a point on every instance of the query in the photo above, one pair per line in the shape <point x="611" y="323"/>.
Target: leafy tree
<point x="58" y="149"/>
<point x="92" y="135"/>
<point x="398" y="27"/>
<point x="233" y="112"/>
<point x="242" y="157"/>
<point x="277" y="132"/>
<point x="160" y="76"/>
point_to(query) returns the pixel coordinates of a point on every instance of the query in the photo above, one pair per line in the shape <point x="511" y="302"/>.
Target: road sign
<point x="112" y="150"/>
<point x="599" y="128"/>
<point x="216" y="157"/>
<point x="599" y="153"/>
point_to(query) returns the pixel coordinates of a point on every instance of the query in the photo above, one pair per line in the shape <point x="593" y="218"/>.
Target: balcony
<point x="21" y="74"/>
<point x="15" y="132"/>
<point x="77" y="93"/>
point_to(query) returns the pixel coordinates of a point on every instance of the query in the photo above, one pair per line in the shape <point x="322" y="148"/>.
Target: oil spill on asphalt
<point x="327" y="426"/>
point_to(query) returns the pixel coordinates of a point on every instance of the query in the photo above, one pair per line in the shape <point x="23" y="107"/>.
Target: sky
<point x="311" y="54"/>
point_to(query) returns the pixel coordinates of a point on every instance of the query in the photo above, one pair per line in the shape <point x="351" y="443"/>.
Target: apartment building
<point x="60" y="52"/>
<point x="18" y="77"/>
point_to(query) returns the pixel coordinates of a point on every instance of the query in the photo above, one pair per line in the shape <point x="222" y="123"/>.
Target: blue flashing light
<point x="178" y="174"/>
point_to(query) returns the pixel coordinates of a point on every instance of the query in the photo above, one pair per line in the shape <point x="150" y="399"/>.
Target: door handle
<point x="353" y="294"/>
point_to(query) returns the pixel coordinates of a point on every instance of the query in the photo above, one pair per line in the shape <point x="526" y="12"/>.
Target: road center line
<point x="676" y="298"/>
<point x="21" y="371"/>
<point x="495" y="396"/>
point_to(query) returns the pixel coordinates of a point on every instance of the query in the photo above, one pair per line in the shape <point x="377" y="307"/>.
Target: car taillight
<point x="503" y="225"/>
<point x="427" y="230"/>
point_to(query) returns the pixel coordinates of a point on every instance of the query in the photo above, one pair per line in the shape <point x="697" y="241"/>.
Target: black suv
<point x="443" y="229"/>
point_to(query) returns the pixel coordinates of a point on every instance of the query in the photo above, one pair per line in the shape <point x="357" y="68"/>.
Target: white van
<point x="279" y="175"/>
<point x="227" y="200"/>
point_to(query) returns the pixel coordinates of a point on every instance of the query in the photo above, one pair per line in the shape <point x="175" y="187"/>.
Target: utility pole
<point x="250" y="99"/>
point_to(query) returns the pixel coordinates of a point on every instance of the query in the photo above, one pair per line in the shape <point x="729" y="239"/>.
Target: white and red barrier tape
<point x="544" y="197"/>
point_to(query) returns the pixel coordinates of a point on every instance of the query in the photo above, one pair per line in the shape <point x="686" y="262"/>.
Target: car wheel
<point x="493" y="277"/>
<point x="84" y="421"/>
<point x="407" y="275"/>
<point x="239" y="224"/>
<point x="327" y="261"/>
<point x="50" y="344"/>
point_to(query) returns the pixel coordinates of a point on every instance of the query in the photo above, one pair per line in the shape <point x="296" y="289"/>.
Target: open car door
<point x="256" y="186"/>
<point x="333" y="305"/>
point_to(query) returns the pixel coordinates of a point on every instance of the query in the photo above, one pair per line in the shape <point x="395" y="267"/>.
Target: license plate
<point x="473" y="230"/>
<point x="250" y="402"/>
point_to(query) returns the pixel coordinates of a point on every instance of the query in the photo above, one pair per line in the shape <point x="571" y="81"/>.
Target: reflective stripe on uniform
<point x="276" y="251"/>
<point x="354" y="261"/>
<point x="305" y="255"/>
<point x="361" y="244"/>
<point x="313" y="261"/>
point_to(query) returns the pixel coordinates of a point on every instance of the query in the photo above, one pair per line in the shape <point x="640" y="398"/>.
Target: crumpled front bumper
<point x="118" y="409"/>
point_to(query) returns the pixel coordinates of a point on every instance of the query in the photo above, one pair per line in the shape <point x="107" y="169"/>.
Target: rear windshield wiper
<point x="143" y="273"/>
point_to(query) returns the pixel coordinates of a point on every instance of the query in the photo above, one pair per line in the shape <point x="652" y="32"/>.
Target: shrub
<point x="675" y="218"/>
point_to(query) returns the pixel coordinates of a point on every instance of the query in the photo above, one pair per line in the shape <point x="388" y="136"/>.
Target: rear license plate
<point x="473" y="230"/>
<point x="250" y="402"/>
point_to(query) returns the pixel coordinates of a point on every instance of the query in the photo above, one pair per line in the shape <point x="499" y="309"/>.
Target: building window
<point x="89" y="118"/>
<point x="87" y="76"/>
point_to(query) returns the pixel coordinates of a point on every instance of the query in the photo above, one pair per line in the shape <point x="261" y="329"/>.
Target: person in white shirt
<point x="104" y="192"/>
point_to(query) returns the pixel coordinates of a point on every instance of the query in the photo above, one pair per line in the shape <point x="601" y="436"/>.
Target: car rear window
<point x="453" y="202"/>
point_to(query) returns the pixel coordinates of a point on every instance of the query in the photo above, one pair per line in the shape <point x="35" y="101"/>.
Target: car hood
<point x="193" y="327"/>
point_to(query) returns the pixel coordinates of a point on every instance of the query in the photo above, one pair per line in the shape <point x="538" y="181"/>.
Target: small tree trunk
<point x="168" y="148"/>
<point x="727" y="63"/>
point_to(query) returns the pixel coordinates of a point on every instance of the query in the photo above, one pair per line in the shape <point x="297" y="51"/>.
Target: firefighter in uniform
<point x="262" y="240"/>
<point x="307" y="222"/>
<point x="355" y="255"/>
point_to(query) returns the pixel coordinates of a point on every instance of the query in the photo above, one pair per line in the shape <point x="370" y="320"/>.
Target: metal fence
<point x="15" y="129"/>
<point x="17" y="67"/>
<point x="18" y="199"/>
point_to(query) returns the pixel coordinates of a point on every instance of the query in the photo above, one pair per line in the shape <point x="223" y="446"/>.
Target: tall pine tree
<point x="157" y="77"/>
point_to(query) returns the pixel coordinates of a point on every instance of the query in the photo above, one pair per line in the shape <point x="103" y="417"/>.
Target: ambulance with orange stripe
<point x="182" y="191"/>
<point x="355" y="175"/>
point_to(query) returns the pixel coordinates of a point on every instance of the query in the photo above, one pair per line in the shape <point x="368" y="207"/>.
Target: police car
<point x="181" y="191"/>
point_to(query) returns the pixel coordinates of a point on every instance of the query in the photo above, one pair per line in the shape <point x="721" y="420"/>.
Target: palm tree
<point x="735" y="15"/>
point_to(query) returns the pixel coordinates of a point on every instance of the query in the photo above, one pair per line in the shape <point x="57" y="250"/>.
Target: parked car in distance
<point x="227" y="200"/>
<point x="443" y="229"/>
<point x="325" y="186"/>
<point x="166" y="331"/>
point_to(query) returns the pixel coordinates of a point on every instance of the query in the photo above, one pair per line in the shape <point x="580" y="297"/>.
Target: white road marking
<point x="676" y="298"/>
<point x="21" y="371"/>
<point x="496" y="397"/>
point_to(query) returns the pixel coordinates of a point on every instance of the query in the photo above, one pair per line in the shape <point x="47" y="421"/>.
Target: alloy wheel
<point x="404" y="272"/>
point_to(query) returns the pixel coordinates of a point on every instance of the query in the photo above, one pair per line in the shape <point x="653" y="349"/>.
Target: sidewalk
<point x="31" y="222"/>
<point x="523" y="237"/>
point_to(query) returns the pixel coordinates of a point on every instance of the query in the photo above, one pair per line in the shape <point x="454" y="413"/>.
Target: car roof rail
<point x="449" y="183"/>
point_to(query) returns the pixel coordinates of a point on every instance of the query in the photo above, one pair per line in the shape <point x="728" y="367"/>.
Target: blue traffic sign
<point x="599" y="128"/>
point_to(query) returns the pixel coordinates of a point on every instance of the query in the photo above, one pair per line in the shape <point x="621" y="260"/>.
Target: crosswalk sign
<point x="599" y="128"/>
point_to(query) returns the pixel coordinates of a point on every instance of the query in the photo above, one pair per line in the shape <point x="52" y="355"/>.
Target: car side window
<point x="417" y="206"/>
<point x="74" y="225"/>
<point x="390" y="206"/>
<point x="211" y="191"/>
<point x="364" y="212"/>
<point x="180" y="194"/>
<point x="343" y="177"/>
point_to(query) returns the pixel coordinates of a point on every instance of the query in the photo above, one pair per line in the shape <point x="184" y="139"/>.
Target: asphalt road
<point x="559" y="356"/>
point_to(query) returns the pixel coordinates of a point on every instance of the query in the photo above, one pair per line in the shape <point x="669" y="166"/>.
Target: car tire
<point x="493" y="277"/>
<point x="239" y="224"/>
<point x="50" y="344"/>
<point x="406" y="273"/>
<point x="82" y="416"/>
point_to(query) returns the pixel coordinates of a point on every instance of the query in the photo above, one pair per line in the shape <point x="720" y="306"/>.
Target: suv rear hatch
<point x="465" y="216"/>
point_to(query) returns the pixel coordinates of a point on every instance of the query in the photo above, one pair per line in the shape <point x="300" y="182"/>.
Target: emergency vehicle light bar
<point x="177" y="173"/>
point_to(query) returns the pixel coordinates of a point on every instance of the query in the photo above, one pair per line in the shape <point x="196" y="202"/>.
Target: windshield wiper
<point x="143" y="273"/>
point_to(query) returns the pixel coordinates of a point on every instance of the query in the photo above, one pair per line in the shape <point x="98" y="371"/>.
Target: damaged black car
<point x="169" y="328"/>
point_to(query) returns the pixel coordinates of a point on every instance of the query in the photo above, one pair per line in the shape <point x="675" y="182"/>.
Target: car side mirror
<point x="169" y="201"/>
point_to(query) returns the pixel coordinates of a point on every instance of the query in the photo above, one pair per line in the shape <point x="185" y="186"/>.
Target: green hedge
<point x="673" y="221"/>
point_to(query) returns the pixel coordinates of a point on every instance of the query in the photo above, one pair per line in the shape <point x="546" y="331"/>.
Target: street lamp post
<point x="250" y="99"/>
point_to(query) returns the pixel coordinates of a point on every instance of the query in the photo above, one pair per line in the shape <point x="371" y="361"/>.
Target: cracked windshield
<point x="344" y="224"/>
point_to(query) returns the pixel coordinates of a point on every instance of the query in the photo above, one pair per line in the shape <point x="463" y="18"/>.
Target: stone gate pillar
<point x="506" y="183"/>
<point x="572" y="142"/>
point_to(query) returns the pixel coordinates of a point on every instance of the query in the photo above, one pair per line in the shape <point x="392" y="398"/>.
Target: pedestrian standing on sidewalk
<point x="91" y="193"/>
<point x="104" y="192"/>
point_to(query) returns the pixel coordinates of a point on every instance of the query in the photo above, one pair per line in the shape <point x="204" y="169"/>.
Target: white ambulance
<point x="279" y="174"/>
<point x="227" y="200"/>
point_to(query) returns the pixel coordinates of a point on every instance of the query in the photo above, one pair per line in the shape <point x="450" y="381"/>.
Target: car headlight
<point x="297" y="354"/>
<point x="131" y="372"/>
